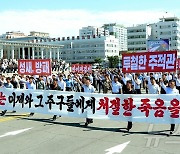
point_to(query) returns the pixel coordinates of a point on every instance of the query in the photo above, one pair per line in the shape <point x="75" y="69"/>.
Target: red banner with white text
<point x="34" y="67"/>
<point x="81" y="68"/>
<point x="149" y="62"/>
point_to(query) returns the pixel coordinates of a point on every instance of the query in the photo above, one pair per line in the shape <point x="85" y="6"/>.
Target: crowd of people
<point x="99" y="81"/>
<point x="8" y="66"/>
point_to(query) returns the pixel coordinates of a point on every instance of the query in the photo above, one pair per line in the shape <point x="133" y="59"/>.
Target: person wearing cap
<point x="170" y="89"/>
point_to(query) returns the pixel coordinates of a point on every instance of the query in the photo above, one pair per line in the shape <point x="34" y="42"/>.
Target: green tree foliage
<point x="113" y="61"/>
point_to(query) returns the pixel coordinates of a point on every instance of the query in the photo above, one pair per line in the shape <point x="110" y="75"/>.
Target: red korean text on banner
<point x="34" y="67"/>
<point x="81" y="68"/>
<point x="149" y="62"/>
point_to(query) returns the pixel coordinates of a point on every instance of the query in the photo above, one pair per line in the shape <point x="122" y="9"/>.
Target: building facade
<point x="168" y="28"/>
<point x="93" y="31"/>
<point x="28" y="50"/>
<point x="86" y="49"/>
<point x="137" y="37"/>
<point x="120" y="32"/>
<point x="165" y="28"/>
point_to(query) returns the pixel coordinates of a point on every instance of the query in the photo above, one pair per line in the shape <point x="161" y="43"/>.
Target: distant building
<point x="137" y="37"/>
<point x="93" y="31"/>
<point x="13" y="34"/>
<point x="168" y="28"/>
<point x="120" y="32"/>
<point x="39" y="34"/>
<point x="165" y="28"/>
<point x="86" y="49"/>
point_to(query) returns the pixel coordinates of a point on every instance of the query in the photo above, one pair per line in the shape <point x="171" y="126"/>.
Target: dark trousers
<point x="138" y="91"/>
<point x="129" y="126"/>
<point x="172" y="127"/>
<point x="68" y="89"/>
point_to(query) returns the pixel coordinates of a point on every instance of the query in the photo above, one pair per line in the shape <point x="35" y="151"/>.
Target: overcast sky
<point x="65" y="17"/>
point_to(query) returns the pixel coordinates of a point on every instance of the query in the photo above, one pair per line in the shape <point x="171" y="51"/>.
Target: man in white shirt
<point x="137" y="84"/>
<point x="30" y="84"/>
<point x="153" y="88"/>
<point x="178" y="82"/>
<point x="171" y="89"/>
<point x="116" y="86"/>
<point x="87" y="88"/>
<point x="61" y="83"/>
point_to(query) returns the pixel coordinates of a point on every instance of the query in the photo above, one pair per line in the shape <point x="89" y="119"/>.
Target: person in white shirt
<point x="30" y="84"/>
<point x="169" y="77"/>
<point x="137" y="84"/>
<point x="178" y="82"/>
<point x="171" y="89"/>
<point x="116" y="86"/>
<point x="153" y="88"/>
<point x="61" y="83"/>
<point x="87" y="88"/>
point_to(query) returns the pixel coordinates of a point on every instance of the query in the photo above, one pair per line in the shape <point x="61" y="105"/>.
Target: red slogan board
<point x="34" y="67"/>
<point x="149" y="62"/>
<point x="81" y="68"/>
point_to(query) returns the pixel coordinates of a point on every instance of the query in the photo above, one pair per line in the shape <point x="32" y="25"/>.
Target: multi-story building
<point x="120" y="32"/>
<point x="137" y="37"/>
<point x="86" y="49"/>
<point x="168" y="28"/>
<point x="93" y="31"/>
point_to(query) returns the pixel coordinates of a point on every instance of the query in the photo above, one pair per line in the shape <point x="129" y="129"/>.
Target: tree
<point x="98" y="60"/>
<point x="113" y="61"/>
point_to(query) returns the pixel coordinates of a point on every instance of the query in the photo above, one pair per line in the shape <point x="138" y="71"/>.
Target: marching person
<point x="116" y="86"/>
<point x="55" y="86"/>
<point x="69" y="83"/>
<point x="170" y="89"/>
<point x="129" y="90"/>
<point x="87" y="88"/>
<point x="137" y="84"/>
<point x="61" y="83"/>
<point x="153" y="87"/>
<point x="7" y="85"/>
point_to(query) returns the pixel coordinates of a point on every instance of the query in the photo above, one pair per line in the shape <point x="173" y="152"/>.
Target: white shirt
<point x="137" y="83"/>
<point x="88" y="89"/>
<point x="178" y="82"/>
<point x="116" y="86"/>
<point x="169" y="77"/>
<point x="169" y="90"/>
<point x="153" y="89"/>
<point x="62" y="85"/>
<point x="30" y="85"/>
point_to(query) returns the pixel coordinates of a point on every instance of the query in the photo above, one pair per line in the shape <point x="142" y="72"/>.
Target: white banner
<point x="136" y="108"/>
